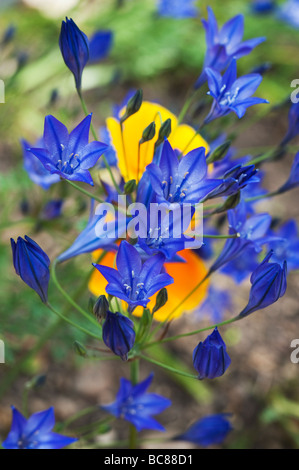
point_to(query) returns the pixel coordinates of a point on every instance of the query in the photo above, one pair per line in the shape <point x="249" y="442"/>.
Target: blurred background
<point x="164" y="57"/>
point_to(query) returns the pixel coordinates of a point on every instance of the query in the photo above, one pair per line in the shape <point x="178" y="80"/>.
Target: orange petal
<point x="186" y="277"/>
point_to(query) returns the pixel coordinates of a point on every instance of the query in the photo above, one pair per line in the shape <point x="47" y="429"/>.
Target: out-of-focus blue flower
<point x="214" y="306"/>
<point x="177" y="8"/>
<point x="137" y="406"/>
<point x="110" y="153"/>
<point x="35" y="432"/>
<point x="32" y="265"/>
<point x="293" y="179"/>
<point x="93" y="237"/>
<point x="293" y="129"/>
<point x="240" y="267"/>
<point x="133" y="281"/>
<point x="234" y="180"/>
<point x="206" y="251"/>
<point x="231" y="93"/>
<point x="52" y="209"/>
<point x="286" y="248"/>
<point x="181" y="181"/>
<point x="69" y="155"/>
<point x="208" y="430"/>
<point x="118" y="334"/>
<point x="268" y="285"/>
<point x="74" y="48"/>
<point x="99" y="45"/>
<point x="210" y="358"/>
<point x="263" y="6"/>
<point x="252" y="233"/>
<point x="289" y="12"/>
<point x="224" y="45"/>
<point x="8" y="34"/>
<point x="35" y="169"/>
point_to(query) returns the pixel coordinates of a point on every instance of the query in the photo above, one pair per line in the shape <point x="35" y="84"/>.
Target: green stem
<point x="75" y="325"/>
<point x="164" y="366"/>
<point x="80" y="414"/>
<point x="69" y="299"/>
<point x="133" y="437"/>
<point x="48" y="333"/>
<point x="192" y="333"/>
<point x="83" y="191"/>
<point x="84" y="107"/>
<point x="180" y="304"/>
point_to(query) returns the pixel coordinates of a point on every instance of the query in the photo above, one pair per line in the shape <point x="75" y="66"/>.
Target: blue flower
<point x="289" y="12"/>
<point x="210" y="358"/>
<point x="177" y="8"/>
<point x="286" y="247"/>
<point x="133" y="281"/>
<point x="231" y="93"/>
<point x="293" y="129"/>
<point x="69" y="155"/>
<point x="252" y="233"/>
<point x="110" y="153"/>
<point x="99" y="45"/>
<point x="268" y="285"/>
<point x="216" y="303"/>
<point x="224" y="45"/>
<point x="181" y="181"/>
<point x="209" y="430"/>
<point x="234" y="180"/>
<point x="262" y="6"/>
<point x="74" y="48"/>
<point x="94" y="237"/>
<point x="52" y="209"/>
<point x="293" y="179"/>
<point x="136" y="406"/>
<point x="35" y="432"/>
<point x="32" y="265"/>
<point x="240" y="267"/>
<point x="118" y="334"/>
<point x="35" y="169"/>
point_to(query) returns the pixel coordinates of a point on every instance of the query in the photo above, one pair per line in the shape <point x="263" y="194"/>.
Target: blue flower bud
<point x="210" y="358"/>
<point x="268" y="285"/>
<point x="32" y="265"/>
<point x="74" y="48"/>
<point x="118" y="334"/>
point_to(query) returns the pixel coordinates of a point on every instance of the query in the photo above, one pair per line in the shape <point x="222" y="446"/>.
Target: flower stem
<point x="75" y="325"/>
<point x="84" y="107"/>
<point x="192" y="333"/>
<point x="133" y="438"/>
<point x="69" y="299"/>
<point x="87" y="193"/>
<point x="171" y="369"/>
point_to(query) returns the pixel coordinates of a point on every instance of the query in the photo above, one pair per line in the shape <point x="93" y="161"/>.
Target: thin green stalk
<point x="75" y="325"/>
<point x="180" y="304"/>
<point x="192" y="333"/>
<point x="12" y="374"/>
<point x="133" y="437"/>
<point x="69" y="299"/>
<point x="164" y="366"/>
<point x="84" y="107"/>
<point x="83" y="191"/>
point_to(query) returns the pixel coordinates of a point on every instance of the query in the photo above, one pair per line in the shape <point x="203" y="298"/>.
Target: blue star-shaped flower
<point x="177" y="8"/>
<point x="181" y="181"/>
<point x="286" y="247"/>
<point x="133" y="281"/>
<point x="35" y="432"/>
<point x="136" y="406"/>
<point x="224" y="45"/>
<point x="209" y="430"/>
<point x="35" y="169"/>
<point x="231" y="93"/>
<point x="69" y="155"/>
